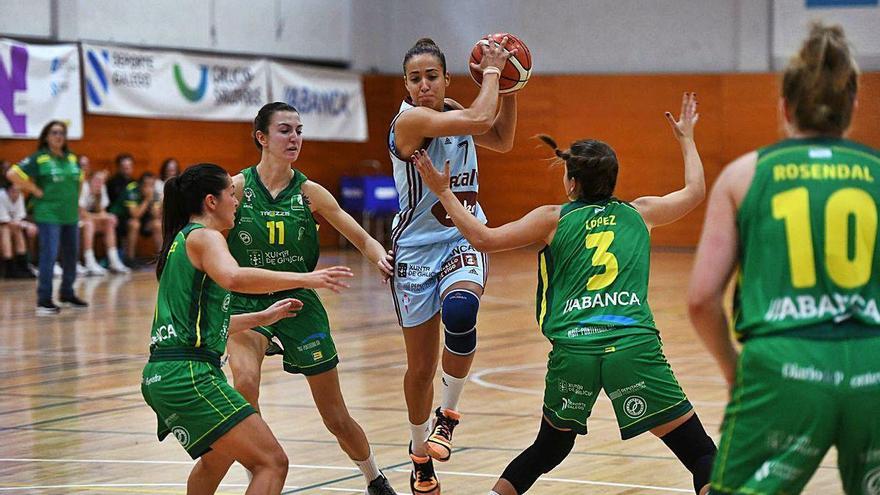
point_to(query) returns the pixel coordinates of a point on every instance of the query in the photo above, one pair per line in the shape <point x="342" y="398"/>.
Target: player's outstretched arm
<point x="323" y="203"/>
<point x="208" y="252"/>
<point x="537" y="226"/>
<point x="661" y="210"/>
<point x="285" y="308"/>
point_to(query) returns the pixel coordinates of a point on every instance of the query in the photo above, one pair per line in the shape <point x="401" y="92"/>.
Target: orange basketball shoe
<point x="439" y="444"/>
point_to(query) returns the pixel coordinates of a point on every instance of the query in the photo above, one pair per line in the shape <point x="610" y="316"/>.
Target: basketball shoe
<point x="423" y="480"/>
<point x="439" y="444"/>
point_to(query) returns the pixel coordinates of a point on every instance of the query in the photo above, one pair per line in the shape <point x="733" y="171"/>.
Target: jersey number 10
<point x="793" y="208"/>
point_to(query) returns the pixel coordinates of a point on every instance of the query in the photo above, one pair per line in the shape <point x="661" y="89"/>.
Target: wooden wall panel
<point x="738" y="113"/>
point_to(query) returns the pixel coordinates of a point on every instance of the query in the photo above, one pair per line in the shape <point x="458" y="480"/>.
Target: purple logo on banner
<point x="10" y="82"/>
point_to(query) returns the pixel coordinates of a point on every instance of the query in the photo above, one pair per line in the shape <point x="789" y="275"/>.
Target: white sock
<point x="368" y="467"/>
<point x="451" y="391"/>
<point x="113" y="257"/>
<point x="89" y="257"/>
<point x="419" y="435"/>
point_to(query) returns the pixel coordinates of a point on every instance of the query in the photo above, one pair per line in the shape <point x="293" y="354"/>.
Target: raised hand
<point x="437" y="182"/>
<point x="328" y="278"/>
<point x="494" y="54"/>
<point x="687" y="119"/>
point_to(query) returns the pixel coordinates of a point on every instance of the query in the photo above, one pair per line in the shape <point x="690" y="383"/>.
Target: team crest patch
<point x="226" y="302"/>
<point x="245" y="238"/>
<point x="181" y="435"/>
<point x="635" y="406"/>
<point x="248" y="194"/>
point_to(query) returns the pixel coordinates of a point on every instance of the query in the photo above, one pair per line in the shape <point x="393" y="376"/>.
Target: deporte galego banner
<point x="330" y="102"/>
<point x="142" y="83"/>
<point x="38" y="83"/>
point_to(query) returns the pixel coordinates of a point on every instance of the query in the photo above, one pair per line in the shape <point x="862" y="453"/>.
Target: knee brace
<point x="694" y="448"/>
<point x="550" y="448"/>
<point x="459" y="315"/>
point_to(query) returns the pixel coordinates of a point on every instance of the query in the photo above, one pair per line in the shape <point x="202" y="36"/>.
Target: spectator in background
<point x="94" y="217"/>
<point x="170" y="168"/>
<point x="14" y="231"/>
<point x="85" y="165"/>
<point x="123" y="177"/>
<point x="52" y="176"/>
<point x="141" y="213"/>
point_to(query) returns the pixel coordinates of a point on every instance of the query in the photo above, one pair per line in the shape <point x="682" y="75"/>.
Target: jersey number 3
<point x="849" y="207"/>
<point x="601" y="241"/>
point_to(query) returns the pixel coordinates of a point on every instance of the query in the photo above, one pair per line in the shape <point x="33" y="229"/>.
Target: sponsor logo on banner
<point x="330" y="101"/>
<point x="153" y="83"/>
<point x="38" y="83"/>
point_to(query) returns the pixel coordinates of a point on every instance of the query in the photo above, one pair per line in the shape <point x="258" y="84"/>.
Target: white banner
<point x="330" y="102"/>
<point x="38" y="83"/>
<point x="141" y="83"/>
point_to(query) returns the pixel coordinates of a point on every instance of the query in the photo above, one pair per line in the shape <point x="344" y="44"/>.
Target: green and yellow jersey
<point x="593" y="277"/>
<point x="808" y="239"/>
<point x="277" y="233"/>
<point x="192" y="311"/>
<point x="59" y="178"/>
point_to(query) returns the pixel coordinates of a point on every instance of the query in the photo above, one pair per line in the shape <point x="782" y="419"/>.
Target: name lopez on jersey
<point x="601" y="300"/>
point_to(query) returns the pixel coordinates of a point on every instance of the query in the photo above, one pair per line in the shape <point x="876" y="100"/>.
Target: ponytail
<point x="184" y="197"/>
<point x="820" y="82"/>
<point x="591" y="163"/>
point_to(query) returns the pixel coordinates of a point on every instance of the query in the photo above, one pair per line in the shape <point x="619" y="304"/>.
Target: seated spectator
<point x="117" y="184"/>
<point x="170" y="168"/>
<point x="14" y="232"/>
<point x="140" y="212"/>
<point x="94" y="217"/>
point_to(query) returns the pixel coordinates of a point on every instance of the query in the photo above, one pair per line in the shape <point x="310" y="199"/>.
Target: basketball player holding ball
<point x="438" y="275"/>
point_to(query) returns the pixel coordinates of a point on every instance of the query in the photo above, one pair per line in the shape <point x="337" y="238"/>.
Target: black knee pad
<point x="459" y="317"/>
<point x="694" y="448"/>
<point x="549" y="449"/>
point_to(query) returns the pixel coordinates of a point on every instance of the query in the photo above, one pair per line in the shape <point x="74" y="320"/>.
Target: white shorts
<point x="422" y="273"/>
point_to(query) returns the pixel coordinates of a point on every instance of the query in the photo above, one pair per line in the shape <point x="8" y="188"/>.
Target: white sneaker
<point x="81" y="271"/>
<point x="96" y="270"/>
<point x="57" y="271"/>
<point x="119" y="268"/>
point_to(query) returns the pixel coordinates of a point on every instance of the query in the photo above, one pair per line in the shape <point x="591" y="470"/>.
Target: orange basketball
<point x="516" y="71"/>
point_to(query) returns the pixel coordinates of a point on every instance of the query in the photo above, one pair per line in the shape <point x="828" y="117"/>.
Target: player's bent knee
<point x="459" y="315"/>
<point x="549" y="449"/>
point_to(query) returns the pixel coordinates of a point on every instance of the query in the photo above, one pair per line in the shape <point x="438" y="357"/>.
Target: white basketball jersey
<point x="422" y="219"/>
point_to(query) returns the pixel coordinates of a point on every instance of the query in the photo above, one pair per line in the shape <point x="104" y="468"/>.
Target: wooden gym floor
<point x="72" y="419"/>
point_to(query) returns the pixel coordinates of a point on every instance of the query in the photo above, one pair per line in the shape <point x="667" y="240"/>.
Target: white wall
<point x="862" y="26"/>
<point x="25" y="18"/>
<point x="576" y="36"/>
<point x="300" y="29"/>
<point x="565" y="36"/>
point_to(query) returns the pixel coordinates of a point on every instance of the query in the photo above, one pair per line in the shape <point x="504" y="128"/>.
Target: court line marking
<point x="477" y="377"/>
<point x="297" y="489"/>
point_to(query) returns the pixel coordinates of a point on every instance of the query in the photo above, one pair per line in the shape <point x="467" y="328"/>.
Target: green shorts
<point x="193" y="401"/>
<point x="308" y="345"/>
<point x="634" y="375"/>
<point x="793" y="399"/>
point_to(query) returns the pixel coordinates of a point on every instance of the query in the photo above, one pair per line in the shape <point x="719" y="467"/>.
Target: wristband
<point x="492" y="70"/>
